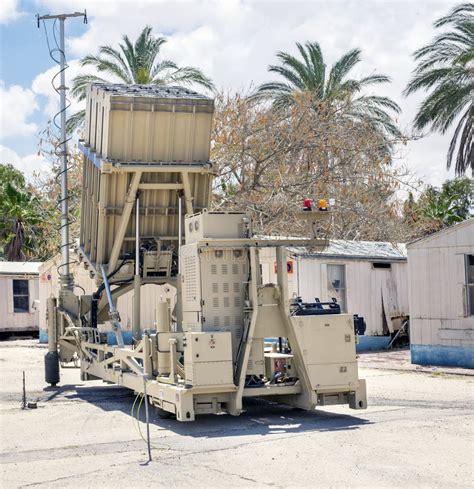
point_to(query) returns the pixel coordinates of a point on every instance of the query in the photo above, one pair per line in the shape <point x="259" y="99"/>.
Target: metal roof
<point x="18" y="267"/>
<point x="155" y="91"/>
<point x="363" y="250"/>
<point x="453" y="228"/>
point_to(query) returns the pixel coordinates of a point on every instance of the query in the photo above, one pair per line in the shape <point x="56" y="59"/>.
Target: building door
<point x="337" y="284"/>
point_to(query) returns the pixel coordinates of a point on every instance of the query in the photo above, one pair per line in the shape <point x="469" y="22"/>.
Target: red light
<point x="307" y="204"/>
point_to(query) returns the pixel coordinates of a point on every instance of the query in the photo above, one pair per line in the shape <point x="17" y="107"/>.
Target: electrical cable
<point x="136" y="417"/>
<point x="58" y="145"/>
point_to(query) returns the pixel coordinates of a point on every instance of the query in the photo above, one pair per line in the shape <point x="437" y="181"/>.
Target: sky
<point x="232" y="41"/>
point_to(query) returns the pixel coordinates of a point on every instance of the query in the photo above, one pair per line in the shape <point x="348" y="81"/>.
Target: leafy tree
<point x="268" y="161"/>
<point x="9" y="174"/>
<point x="330" y="88"/>
<point x="134" y="63"/>
<point x="462" y="189"/>
<point x="20" y="216"/>
<point x="445" y="70"/>
<point x="440" y="207"/>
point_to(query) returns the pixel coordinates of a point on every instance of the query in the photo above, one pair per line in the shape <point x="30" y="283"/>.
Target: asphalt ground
<point x="418" y="431"/>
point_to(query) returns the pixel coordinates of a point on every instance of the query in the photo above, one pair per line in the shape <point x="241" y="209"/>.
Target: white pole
<point x="66" y="280"/>
<point x="180" y="231"/>
<point x="136" y="328"/>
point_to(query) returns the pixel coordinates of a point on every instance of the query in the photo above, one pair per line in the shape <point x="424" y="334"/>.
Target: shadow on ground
<point x="259" y="416"/>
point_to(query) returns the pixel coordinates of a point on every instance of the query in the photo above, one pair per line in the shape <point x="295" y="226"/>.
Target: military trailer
<point x="144" y="220"/>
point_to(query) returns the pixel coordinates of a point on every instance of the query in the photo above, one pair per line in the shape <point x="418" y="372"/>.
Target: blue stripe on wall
<point x="446" y="356"/>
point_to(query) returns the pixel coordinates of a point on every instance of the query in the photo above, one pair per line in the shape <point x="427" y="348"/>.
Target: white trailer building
<point x="367" y="278"/>
<point x="441" y="297"/>
<point x="18" y="293"/>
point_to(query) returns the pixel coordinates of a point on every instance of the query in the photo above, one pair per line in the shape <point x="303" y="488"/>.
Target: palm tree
<point x="136" y="63"/>
<point x="19" y="221"/>
<point x="446" y="69"/>
<point x="310" y="75"/>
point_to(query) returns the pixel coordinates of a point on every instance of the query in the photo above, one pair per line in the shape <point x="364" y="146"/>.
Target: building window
<point x="381" y="264"/>
<point x="470" y="284"/>
<point x="21" y="296"/>
<point x="337" y="284"/>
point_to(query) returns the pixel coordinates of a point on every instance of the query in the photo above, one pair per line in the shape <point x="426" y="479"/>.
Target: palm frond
<point x="457" y="14"/>
<point x="80" y="82"/>
<point x="107" y="66"/>
<point x="115" y="55"/>
<point x="297" y="66"/>
<point x="160" y="68"/>
<point x="75" y="121"/>
<point x="289" y="74"/>
<point x="465" y="155"/>
<point x="341" y="69"/>
<point x="444" y="70"/>
<point x="189" y="76"/>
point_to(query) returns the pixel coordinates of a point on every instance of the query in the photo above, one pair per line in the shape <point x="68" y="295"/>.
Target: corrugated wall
<point x="437" y="278"/>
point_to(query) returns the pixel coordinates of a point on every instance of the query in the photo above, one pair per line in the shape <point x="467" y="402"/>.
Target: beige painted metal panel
<point x="148" y="123"/>
<point x="158" y="214"/>
<point x="208" y="359"/>
<point x="219" y="225"/>
<point x="214" y="283"/>
<point x="163" y="136"/>
<point x="328" y="348"/>
<point x="328" y="376"/>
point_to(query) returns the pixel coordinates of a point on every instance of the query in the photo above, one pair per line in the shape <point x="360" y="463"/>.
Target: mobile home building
<point x="441" y="297"/>
<point x="19" y="294"/>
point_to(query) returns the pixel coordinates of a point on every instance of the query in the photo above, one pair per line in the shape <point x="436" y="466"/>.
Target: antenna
<point x="65" y="276"/>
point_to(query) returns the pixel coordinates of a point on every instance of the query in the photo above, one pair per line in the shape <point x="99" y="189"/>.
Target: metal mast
<point x="65" y="275"/>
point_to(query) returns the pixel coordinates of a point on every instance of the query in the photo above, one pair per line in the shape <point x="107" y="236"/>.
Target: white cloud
<point x="28" y="164"/>
<point x="42" y="86"/>
<point x="9" y="11"/>
<point x="234" y="41"/>
<point x="17" y="104"/>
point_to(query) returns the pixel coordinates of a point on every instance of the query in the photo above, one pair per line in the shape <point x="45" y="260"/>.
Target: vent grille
<point x="235" y="268"/>
<point x="224" y="269"/>
<point x="250" y="362"/>
<point x="236" y="288"/>
<point x="215" y="301"/>
<point x="214" y="269"/>
<point x="225" y="288"/>
<point x="190" y="277"/>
